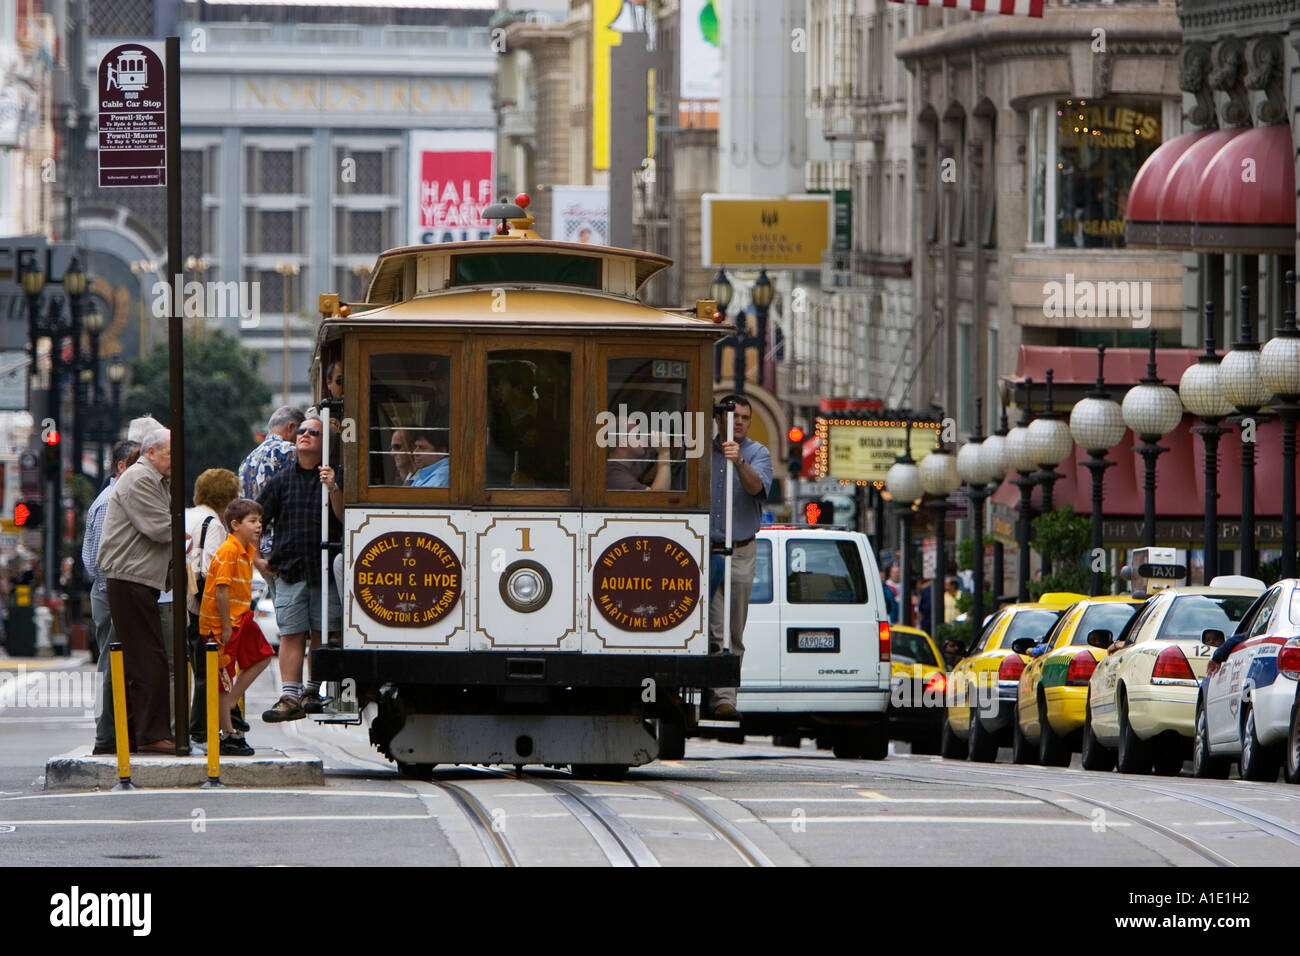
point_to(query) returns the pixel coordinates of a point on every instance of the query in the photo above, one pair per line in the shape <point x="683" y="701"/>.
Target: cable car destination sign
<point x="645" y="584"/>
<point x="407" y="580"/>
<point x="853" y="450"/>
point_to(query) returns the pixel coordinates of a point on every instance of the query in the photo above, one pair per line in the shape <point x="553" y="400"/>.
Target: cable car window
<point x="527" y="267"/>
<point x="410" y="420"/>
<point x="646" y="428"/>
<point x="528" y="417"/>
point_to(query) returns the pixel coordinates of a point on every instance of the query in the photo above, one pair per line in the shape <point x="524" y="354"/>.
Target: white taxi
<point x="1244" y="711"/>
<point x="1142" y="696"/>
<point x="817" y="643"/>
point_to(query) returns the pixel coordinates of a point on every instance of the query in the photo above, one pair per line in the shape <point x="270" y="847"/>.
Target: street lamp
<point x="981" y="471"/>
<point x="94" y="325"/>
<point x="994" y="453"/>
<point x="1152" y="411"/>
<point x="1203" y="396"/>
<point x="33" y="283"/>
<point x="903" y="482"/>
<point x="1097" y="425"/>
<point x="1239" y="377"/>
<point x="199" y="266"/>
<point x="144" y="268"/>
<point x="116" y="376"/>
<point x="1049" y="443"/>
<point x="1279" y="367"/>
<point x="1020" y="457"/>
<point x="939" y="479"/>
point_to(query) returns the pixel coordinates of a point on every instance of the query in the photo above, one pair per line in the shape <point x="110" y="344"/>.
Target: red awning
<point x="1180" y="477"/>
<point x="1027" y="8"/>
<point x="1245" y="200"/>
<point x="1142" y="214"/>
<point x="1177" y="207"/>
<point x="1078" y="366"/>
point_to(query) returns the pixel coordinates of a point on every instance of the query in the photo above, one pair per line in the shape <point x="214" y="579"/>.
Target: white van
<point x="816" y="643"/>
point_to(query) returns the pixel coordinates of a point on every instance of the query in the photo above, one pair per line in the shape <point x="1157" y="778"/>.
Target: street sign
<point x="132" y="117"/>
<point x="770" y="231"/>
<point x="865" y="451"/>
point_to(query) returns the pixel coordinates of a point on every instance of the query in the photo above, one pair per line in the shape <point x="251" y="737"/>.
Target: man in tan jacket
<point x="134" y="557"/>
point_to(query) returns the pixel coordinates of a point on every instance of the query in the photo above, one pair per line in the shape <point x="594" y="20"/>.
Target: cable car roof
<point x="531" y="308"/>
<point x="423" y="270"/>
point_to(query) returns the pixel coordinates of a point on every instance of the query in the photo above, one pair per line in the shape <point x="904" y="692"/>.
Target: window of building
<point x="1083" y="157"/>
<point x="410" y="420"/>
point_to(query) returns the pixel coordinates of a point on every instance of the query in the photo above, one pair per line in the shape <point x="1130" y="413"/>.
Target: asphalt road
<point x="723" y="805"/>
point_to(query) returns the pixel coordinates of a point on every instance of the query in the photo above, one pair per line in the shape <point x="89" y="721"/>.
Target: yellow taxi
<point x="1053" y="690"/>
<point x="1141" y="708"/>
<point x="917" y="687"/>
<point x="984" y="683"/>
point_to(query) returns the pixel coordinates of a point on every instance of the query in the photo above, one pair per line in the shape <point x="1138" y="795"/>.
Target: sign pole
<point x="175" y="350"/>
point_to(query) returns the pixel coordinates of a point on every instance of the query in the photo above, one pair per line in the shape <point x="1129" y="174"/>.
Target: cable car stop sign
<point x="132" y="114"/>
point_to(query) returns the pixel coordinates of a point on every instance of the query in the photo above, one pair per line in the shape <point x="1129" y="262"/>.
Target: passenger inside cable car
<point x="528" y="407"/>
<point x="429" y="456"/>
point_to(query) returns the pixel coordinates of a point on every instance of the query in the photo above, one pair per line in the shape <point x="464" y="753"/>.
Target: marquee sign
<point x="407" y="580"/>
<point x="645" y="584"/>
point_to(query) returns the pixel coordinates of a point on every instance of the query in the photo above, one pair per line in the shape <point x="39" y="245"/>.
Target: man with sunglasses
<point x="291" y="508"/>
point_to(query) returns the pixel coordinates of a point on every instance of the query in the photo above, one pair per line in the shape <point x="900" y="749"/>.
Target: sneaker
<point x="312" y="703"/>
<point x="238" y="722"/>
<point x="287" y="708"/>
<point x="199" y="737"/>
<point x="235" y="746"/>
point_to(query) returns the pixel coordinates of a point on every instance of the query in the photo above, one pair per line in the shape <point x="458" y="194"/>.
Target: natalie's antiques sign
<point x="407" y="580"/>
<point x="645" y="584"/>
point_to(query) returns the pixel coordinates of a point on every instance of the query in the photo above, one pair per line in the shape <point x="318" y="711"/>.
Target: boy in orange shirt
<point x="226" y="616"/>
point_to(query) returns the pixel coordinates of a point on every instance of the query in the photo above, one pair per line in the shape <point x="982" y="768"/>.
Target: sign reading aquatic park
<point x="865" y="450"/>
<point x="645" y="584"/>
<point x="131" y="88"/>
<point x="769" y="231"/>
<point x="407" y="580"/>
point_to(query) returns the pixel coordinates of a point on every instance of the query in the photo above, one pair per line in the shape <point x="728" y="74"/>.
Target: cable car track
<point x="1026" y="783"/>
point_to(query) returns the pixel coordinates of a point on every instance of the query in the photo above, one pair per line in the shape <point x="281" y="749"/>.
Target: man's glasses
<point x="313" y="432"/>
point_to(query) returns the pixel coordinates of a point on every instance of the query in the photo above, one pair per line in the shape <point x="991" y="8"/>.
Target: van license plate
<point x="817" y="640"/>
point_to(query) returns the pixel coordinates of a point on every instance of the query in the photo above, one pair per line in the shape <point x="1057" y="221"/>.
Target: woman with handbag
<point x="214" y="490"/>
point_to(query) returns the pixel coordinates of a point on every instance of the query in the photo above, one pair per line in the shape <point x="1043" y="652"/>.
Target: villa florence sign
<point x="132" y="113"/>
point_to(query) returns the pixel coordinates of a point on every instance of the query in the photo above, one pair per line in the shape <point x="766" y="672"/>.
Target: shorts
<point x="247" y="647"/>
<point x="297" y="606"/>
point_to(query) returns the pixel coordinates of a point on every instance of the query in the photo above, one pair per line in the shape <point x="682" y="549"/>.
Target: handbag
<point x="199" y="581"/>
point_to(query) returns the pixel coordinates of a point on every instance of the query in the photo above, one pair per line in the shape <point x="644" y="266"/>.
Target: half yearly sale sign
<point x="451" y="181"/>
<point x="132" y="117"/>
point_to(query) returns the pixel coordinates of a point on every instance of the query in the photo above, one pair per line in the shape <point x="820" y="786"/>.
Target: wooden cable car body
<point x="517" y="599"/>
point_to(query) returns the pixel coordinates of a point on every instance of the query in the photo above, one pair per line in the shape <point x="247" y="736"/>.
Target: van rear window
<point x="824" y="572"/>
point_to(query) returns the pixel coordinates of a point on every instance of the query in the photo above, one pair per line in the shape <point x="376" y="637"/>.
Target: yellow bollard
<point x="214" y="724"/>
<point x="119" y="717"/>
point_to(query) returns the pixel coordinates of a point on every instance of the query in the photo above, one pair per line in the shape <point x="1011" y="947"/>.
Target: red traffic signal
<point x="819" y="512"/>
<point x="29" y="514"/>
<point x="795" y="433"/>
<point x="52" y="438"/>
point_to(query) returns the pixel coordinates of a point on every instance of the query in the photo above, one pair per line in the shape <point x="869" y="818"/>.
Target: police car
<point x="1245" y="707"/>
<point x="817" y="642"/>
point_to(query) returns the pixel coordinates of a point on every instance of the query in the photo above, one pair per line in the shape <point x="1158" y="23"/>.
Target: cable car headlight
<point x="525" y="586"/>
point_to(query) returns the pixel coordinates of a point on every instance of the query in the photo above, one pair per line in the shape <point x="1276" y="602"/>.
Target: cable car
<point x="524" y="451"/>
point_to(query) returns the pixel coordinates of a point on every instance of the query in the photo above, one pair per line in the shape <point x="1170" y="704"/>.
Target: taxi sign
<point x="1154" y="569"/>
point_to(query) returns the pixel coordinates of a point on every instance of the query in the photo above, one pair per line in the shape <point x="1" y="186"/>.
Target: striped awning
<point x="1024" y="8"/>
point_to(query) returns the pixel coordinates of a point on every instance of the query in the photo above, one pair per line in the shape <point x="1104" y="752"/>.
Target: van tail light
<point x="1012" y="667"/>
<point x="884" y="642"/>
<point x="936" y="683"/>
<point x="1080" y="670"/>
<point x="1172" y="665"/>
<point x="1288" y="659"/>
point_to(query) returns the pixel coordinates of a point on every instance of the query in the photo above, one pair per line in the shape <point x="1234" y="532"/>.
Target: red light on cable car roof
<point x="522" y="200"/>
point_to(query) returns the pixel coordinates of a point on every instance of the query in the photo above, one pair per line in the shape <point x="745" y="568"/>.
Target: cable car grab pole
<point x="324" y="528"/>
<point x="726" y="568"/>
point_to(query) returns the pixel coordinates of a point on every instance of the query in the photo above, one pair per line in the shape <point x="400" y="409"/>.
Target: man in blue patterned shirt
<point x="267" y="460"/>
<point x="124" y="455"/>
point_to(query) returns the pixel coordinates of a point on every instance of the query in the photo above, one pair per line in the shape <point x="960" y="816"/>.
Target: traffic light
<point x="819" y="512"/>
<point x="53" y="455"/>
<point x="29" y="514"/>
<point x="794" y="454"/>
